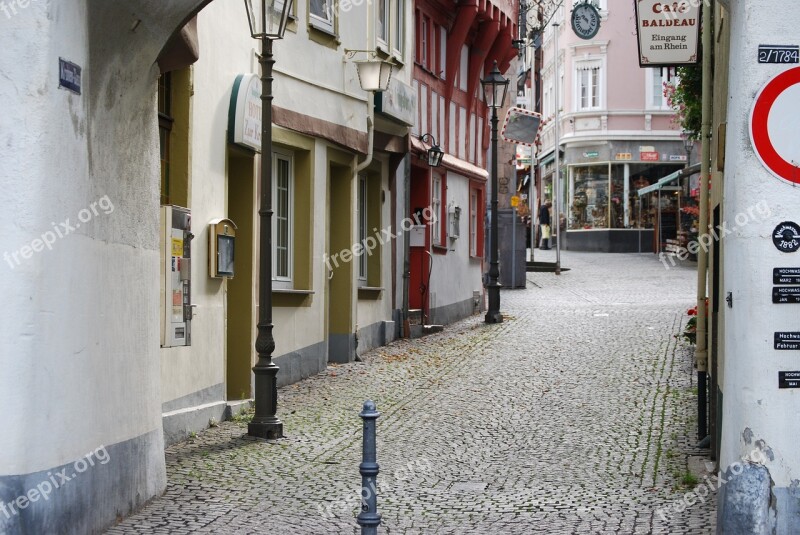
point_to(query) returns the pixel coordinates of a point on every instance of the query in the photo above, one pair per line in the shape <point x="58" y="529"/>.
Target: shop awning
<point x="547" y="159"/>
<point x="688" y="171"/>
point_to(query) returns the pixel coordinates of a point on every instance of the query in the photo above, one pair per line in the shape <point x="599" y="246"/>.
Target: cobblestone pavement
<point x="575" y="415"/>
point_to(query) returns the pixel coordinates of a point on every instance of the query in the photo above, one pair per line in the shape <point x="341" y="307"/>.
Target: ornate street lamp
<point x="267" y="20"/>
<point x="435" y="153"/>
<point x="688" y="145"/>
<point x="494" y="91"/>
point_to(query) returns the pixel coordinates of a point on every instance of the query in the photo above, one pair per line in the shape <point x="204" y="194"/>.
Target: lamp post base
<point x="494" y="316"/>
<point x="267" y="429"/>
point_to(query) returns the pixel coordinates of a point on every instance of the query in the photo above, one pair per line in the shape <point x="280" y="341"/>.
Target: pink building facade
<point x="617" y="135"/>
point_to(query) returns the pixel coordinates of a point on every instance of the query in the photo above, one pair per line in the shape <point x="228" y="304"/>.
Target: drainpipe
<point x="357" y="168"/>
<point x="701" y="351"/>
<point x="370" y="135"/>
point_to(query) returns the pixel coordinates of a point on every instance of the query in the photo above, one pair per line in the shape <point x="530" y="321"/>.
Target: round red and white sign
<point x="775" y="125"/>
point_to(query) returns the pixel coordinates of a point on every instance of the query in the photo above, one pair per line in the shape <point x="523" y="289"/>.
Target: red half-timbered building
<point x="457" y="43"/>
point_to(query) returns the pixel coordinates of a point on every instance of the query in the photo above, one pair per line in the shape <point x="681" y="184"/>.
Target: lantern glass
<point x="435" y="155"/>
<point x="494" y="88"/>
<point x="374" y="75"/>
<point x="268" y="18"/>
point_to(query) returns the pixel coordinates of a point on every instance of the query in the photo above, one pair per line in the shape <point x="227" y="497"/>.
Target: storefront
<point x="604" y="211"/>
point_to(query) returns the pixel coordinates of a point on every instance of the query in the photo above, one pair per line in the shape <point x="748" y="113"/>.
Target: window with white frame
<point x="424" y="35"/>
<point x="398" y="41"/>
<point x="283" y="206"/>
<point x="362" y="227"/>
<point x="589" y="86"/>
<point x="442" y="52"/>
<point x="436" y="209"/>
<point x="321" y="14"/>
<point x="382" y="24"/>
<point x="655" y="79"/>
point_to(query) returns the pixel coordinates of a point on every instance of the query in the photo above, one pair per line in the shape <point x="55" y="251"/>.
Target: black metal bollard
<point x="369" y="519"/>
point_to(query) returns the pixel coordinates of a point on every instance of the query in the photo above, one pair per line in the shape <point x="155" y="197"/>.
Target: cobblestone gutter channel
<point x="573" y="416"/>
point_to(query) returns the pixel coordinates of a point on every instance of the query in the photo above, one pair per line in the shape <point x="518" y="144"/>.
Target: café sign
<point x="244" y="114"/>
<point x="668" y="32"/>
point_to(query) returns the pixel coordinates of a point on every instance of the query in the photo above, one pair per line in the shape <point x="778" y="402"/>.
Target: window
<point x="362" y="227"/>
<point x="283" y="206"/>
<point x="321" y="14"/>
<point x="369" y="255"/>
<point x="442" y="53"/>
<point x="424" y="41"/>
<point x="174" y="95"/>
<point x="590" y="199"/>
<point x="436" y="210"/>
<point x="165" y="121"/>
<point x="398" y="43"/>
<point x="589" y="85"/>
<point x="463" y="69"/>
<point x="655" y="79"/>
<point x="589" y="90"/>
<point x="382" y="24"/>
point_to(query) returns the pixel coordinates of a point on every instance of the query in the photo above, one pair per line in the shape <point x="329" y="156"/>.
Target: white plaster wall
<point x="226" y="50"/>
<point x="751" y="395"/>
<point x="455" y="275"/>
<point x="300" y="327"/>
<point x="74" y="368"/>
<point x="370" y="311"/>
<point x="325" y="87"/>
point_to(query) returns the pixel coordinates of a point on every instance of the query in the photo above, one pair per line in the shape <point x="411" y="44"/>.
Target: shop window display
<point x="590" y="198"/>
<point x="597" y="199"/>
<point x="644" y="211"/>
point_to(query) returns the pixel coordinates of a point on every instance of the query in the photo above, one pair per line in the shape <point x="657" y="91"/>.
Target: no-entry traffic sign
<point x="775" y="125"/>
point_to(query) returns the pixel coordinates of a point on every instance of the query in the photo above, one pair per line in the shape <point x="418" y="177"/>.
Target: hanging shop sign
<point x="591" y="154"/>
<point x="244" y="113"/>
<point x="398" y="102"/>
<point x="668" y="32"/>
<point x="648" y="156"/>
<point x="623" y="156"/>
<point x="774" y="122"/>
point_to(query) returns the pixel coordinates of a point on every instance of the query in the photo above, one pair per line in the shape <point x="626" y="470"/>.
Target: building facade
<point x="456" y="44"/>
<point x="617" y="135"/>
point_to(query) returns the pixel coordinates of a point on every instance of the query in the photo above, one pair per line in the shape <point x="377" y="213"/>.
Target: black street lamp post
<point x="267" y="20"/>
<point x="494" y="90"/>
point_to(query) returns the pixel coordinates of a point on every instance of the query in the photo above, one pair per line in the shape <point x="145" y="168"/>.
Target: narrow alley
<point x="575" y="415"/>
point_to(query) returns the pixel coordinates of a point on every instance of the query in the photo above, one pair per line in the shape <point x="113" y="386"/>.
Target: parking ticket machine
<point x="176" y="312"/>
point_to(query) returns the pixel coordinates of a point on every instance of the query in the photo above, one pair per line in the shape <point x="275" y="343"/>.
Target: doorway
<point x="241" y="289"/>
<point x="339" y="264"/>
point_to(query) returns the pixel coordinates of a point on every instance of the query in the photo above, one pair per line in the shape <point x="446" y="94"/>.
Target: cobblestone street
<point x="575" y="415"/>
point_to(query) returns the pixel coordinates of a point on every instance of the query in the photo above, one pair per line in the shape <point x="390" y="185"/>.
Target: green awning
<point x="670" y="178"/>
<point x="547" y="159"/>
